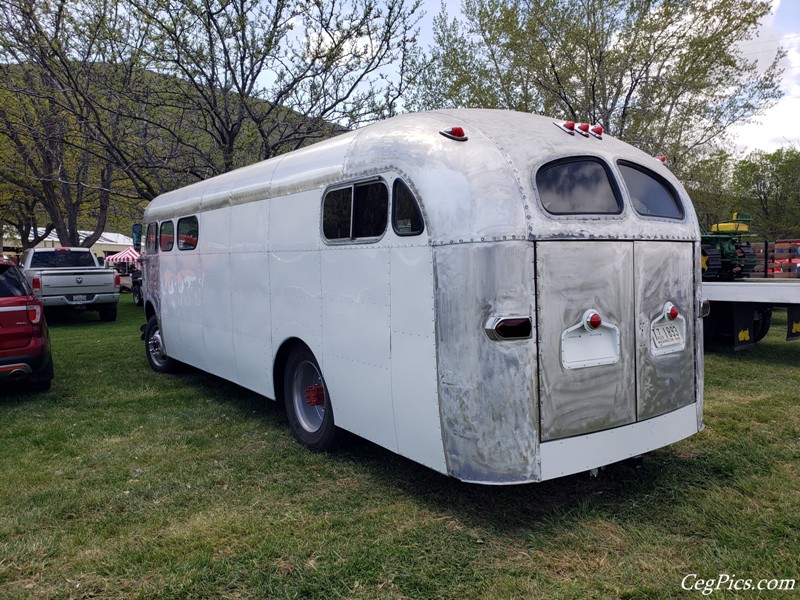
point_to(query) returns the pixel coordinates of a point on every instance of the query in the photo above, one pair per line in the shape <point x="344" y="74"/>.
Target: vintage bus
<point x="499" y="296"/>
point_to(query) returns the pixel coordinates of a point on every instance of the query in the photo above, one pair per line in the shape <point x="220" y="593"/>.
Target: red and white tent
<point x="129" y="255"/>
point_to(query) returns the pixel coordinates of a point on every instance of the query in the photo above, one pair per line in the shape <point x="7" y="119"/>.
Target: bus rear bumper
<point x="587" y="452"/>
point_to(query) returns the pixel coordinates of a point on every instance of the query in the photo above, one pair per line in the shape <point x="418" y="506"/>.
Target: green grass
<point x="122" y="483"/>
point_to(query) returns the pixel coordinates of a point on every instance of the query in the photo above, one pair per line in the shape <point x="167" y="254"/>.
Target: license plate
<point x="666" y="335"/>
<point x="79" y="297"/>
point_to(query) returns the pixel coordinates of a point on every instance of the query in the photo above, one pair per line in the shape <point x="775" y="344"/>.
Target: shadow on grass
<point x="626" y="491"/>
<point x="58" y="318"/>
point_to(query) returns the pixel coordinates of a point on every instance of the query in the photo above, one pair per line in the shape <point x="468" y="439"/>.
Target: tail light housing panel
<point x="591" y="342"/>
<point x="668" y="331"/>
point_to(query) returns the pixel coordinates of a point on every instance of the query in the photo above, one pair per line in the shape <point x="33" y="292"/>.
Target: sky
<point x="779" y="125"/>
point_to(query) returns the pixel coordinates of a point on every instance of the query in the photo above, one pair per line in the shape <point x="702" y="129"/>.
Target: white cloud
<point x="777" y="126"/>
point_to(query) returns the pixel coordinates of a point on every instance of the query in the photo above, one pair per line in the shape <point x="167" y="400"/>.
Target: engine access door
<point x="587" y="374"/>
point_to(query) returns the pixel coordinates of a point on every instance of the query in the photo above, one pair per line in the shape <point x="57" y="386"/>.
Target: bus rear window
<point x="651" y="196"/>
<point x="579" y="186"/>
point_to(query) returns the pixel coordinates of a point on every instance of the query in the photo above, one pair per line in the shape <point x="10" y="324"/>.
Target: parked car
<point x="24" y="339"/>
<point x="72" y="279"/>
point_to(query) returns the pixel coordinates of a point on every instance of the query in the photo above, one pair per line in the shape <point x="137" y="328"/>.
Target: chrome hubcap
<point x="309" y="396"/>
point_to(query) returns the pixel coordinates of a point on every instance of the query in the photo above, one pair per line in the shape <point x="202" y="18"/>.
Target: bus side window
<point x="406" y="216"/>
<point x="370" y="210"/>
<point x="337" y="210"/>
<point x="167" y="238"/>
<point x="151" y="240"/>
<point x="187" y="233"/>
<point x="359" y="212"/>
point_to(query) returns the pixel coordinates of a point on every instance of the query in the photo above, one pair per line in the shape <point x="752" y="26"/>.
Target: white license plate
<point x="79" y="297"/>
<point x="666" y="335"/>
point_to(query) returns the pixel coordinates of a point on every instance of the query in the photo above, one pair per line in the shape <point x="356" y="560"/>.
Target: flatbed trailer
<point x="741" y="310"/>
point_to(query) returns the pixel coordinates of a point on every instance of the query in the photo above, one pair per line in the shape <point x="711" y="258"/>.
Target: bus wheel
<point x="154" y="346"/>
<point x="137" y="295"/>
<point x="307" y="402"/>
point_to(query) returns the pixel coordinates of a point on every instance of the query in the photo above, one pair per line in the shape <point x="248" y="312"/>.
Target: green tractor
<point x="725" y="256"/>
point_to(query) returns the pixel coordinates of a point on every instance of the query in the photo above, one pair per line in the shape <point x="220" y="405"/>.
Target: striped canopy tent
<point x="129" y="255"/>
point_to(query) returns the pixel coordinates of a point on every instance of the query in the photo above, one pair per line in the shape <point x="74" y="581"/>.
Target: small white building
<point x="108" y="243"/>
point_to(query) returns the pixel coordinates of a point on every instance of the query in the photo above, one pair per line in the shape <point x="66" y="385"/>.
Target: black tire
<point x="108" y="312"/>
<point x="138" y="300"/>
<point x="40" y="386"/>
<point x="155" y="349"/>
<point x="762" y="325"/>
<point x="310" y="419"/>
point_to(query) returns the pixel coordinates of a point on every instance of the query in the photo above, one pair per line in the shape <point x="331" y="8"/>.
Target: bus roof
<point x="480" y="188"/>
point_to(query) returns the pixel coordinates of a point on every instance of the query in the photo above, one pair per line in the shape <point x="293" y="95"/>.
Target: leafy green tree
<point x="709" y="183"/>
<point x="768" y="187"/>
<point x="666" y="75"/>
<point x="115" y="101"/>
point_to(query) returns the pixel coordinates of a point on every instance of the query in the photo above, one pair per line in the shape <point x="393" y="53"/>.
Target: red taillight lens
<point x="36" y="284"/>
<point x="672" y="312"/>
<point x="594" y="321"/>
<point x="516" y="328"/>
<point x="116" y="282"/>
<point x="34" y="314"/>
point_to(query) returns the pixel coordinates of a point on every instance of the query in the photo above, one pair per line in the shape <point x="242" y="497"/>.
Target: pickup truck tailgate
<point x="56" y="283"/>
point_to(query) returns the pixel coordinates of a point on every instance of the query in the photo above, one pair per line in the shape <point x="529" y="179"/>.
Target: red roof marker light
<point x="456" y="133"/>
<point x="568" y="126"/>
<point x="597" y="131"/>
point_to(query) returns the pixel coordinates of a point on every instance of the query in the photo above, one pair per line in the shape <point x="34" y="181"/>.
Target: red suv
<point x="24" y="339"/>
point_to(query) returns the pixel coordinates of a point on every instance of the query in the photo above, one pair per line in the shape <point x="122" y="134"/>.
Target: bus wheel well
<point x="279" y="367"/>
<point x="149" y="311"/>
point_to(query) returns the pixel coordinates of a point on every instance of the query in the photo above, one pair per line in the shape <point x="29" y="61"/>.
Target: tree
<point x="768" y="187"/>
<point x="280" y="72"/>
<point x="115" y="101"/>
<point x="666" y="75"/>
<point x="709" y="183"/>
<point x="62" y="148"/>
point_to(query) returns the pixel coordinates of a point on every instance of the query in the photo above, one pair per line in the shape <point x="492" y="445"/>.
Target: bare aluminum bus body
<point x="495" y="295"/>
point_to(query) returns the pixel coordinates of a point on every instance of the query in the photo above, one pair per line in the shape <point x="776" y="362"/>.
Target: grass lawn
<point x="122" y="483"/>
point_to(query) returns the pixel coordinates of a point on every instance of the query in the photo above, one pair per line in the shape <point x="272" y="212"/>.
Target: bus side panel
<point x="414" y="376"/>
<point x="250" y="296"/>
<point x="487" y="389"/>
<point x="356" y="338"/>
<point x="294" y="267"/>
<point x="162" y="268"/>
<point x="181" y="281"/>
<point x="214" y="247"/>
